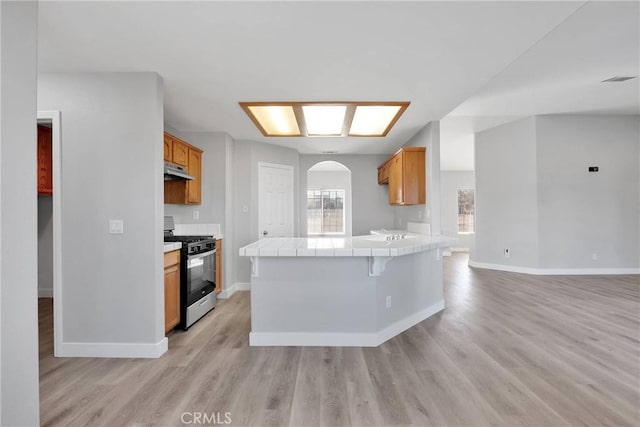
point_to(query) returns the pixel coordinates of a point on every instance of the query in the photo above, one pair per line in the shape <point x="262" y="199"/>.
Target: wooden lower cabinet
<point x="171" y="290"/>
<point x="219" y="266"/>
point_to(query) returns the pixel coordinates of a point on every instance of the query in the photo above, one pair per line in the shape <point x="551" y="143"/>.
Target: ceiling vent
<point x="618" y="79"/>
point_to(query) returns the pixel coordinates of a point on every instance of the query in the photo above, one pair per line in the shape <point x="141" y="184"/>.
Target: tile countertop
<point x="371" y="245"/>
<point x="174" y="246"/>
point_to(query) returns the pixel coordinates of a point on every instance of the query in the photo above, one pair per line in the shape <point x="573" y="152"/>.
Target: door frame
<point x="290" y="170"/>
<point x="56" y="157"/>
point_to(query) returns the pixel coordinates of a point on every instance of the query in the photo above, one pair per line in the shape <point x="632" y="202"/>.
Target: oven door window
<point x="200" y="274"/>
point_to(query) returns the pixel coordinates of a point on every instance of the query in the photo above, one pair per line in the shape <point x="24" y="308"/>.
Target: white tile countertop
<point x="174" y="246"/>
<point x="370" y="245"/>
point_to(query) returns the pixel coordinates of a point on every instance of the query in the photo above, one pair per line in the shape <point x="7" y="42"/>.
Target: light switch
<point x="116" y="226"/>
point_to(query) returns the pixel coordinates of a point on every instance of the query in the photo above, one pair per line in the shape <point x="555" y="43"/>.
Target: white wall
<point x="19" y="402"/>
<point x="370" y="201"/>
<point x="246" y="155"/>
<point x="506" y="195"/>
<point x="328" y="180"/>
<point x="112" y="285"/>
<point x="450" y="183"/>
<point x="429" y="137"/>
<point x="45" y="246"/>
<point x="535" y="195"/>
<point x="582" y="213"/>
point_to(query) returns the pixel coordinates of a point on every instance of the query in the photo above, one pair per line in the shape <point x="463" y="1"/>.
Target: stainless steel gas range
<point x="197" y="274"/>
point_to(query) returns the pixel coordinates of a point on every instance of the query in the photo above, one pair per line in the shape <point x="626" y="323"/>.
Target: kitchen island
<point x="357" y="291"/>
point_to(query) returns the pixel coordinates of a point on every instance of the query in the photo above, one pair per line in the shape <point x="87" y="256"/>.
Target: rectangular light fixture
<point x="373" y="119"/>
<point x="303" y="119"/>
<point x="324" y="120"/>
<point x="276" y="120"/>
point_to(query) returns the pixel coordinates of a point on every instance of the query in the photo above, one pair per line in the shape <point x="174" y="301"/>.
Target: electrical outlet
<point x="116" y="226"/>
<point x="594" y="256"/>
<point x="507" y="254"/>
<point x="196" y="214"/>
<point x="388" y="301"/>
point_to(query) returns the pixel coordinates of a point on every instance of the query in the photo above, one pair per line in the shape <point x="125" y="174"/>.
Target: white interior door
<point x="275" y="200"/>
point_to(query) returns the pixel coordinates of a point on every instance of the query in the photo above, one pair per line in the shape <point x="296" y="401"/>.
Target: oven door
<point x="201" y="273"/>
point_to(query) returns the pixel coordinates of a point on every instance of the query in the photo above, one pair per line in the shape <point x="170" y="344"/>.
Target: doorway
<point x="49" y="232"/>
<point x="328" y="204"/>
<point x="275" y="200"/>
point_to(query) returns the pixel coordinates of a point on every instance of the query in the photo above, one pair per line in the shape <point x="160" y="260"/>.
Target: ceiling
<point x="214" y="54"/>
<point x="563" y="72"/>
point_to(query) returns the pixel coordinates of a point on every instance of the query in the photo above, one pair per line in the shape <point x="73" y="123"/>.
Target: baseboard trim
<point x="336" y="339"/>
<point x="238" y="286"/>
<point x="113" y="350"/>
<point x="554" y="271"/>
<point x="45" y="293"/>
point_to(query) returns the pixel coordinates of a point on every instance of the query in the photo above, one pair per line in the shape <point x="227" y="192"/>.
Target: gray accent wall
<point x="535" y="196"/>
<point x="450" y="183"/>
<point x="112" y="285"/>
<point x="19" y="390"/>
<point x="370" y="201"/>
<point x="506" y="194"/>
<point x="582" y="213"/>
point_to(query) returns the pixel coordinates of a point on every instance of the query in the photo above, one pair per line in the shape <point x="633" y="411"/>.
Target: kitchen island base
<point x="342" y="301"/>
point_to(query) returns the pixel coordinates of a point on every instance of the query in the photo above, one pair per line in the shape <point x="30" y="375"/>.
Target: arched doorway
<point x="328" y="207"/>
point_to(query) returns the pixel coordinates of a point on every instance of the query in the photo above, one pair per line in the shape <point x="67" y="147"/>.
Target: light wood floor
<point x="509" y="350"/>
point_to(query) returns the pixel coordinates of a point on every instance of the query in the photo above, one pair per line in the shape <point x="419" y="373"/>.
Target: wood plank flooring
<point x="508" y="350"/>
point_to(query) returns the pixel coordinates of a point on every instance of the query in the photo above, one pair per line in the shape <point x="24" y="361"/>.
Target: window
<point x="466" y="211"/>
<point x="325" y="211"/>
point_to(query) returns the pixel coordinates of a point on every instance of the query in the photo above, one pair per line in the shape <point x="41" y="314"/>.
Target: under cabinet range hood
<point x="173" y="172"/>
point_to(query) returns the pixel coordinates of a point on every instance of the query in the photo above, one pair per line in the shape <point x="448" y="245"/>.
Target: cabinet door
<point x="180" y="153"/>
<point x="383" y="174"/>
<point x="168" y="148"/>
<point x="45" y="164"/>
<point x="413" y="178"/>
<point x="396" y="189"/>
<point x="171" y="297"/>
<point x="195" y="170"/>
<point x="218" y="266"/>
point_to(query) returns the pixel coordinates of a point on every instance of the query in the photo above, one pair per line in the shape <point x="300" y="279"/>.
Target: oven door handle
<point x="202" y="255"/>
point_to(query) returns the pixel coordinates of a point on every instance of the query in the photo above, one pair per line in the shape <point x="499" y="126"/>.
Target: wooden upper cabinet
<point x="179" y="153"/>
<point x="168" y="148"/>
<point x="405" y="174"/>
<point x="185" y="154"/>
<point x="383" y="174"/>
<point x="194" y="167"/>
<point x="44" y="161"/>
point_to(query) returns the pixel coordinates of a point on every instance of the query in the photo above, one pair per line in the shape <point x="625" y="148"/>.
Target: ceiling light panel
<point x="324" y="120"/>
<point x="373" y="120"/>
<point x="275" y="120"/>
<point x="336" y="118"/>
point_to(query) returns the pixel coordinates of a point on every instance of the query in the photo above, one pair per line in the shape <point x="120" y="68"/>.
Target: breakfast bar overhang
<point x="345" y="292"/>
